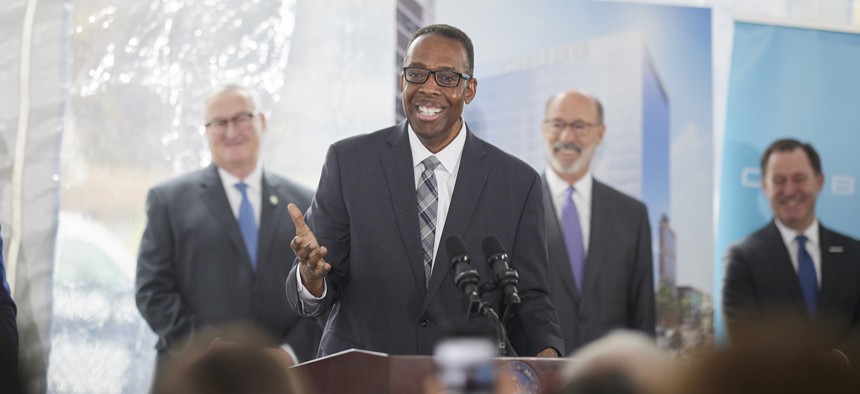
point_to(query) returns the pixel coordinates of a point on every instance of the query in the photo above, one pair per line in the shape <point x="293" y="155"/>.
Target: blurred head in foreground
<point x="623" y="362"/>
<point x="237" y="360"/>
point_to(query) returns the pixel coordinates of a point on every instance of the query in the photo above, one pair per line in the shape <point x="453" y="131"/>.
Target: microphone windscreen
<point x="455" y="247"/>
<point x="492" y="245"/>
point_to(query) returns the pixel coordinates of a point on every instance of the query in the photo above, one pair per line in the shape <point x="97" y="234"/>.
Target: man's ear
<point x="471" y="90"/>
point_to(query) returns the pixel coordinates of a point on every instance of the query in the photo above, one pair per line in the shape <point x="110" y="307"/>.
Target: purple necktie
<point x="573" y="238"/>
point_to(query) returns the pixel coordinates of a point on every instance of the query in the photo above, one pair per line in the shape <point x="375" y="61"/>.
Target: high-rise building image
<point x="411" y="16"/>
<point x="634" y="156"/>
<point x="667" y="262"/>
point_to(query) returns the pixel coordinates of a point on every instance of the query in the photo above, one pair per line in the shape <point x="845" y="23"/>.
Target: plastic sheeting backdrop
<point x="137" y="74"/>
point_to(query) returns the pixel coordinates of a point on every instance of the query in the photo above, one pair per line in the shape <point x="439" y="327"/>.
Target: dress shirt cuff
<point x="310" y="304"/>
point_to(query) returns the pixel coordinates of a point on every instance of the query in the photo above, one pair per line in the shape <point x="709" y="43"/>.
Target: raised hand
<point x="312" y="265"/>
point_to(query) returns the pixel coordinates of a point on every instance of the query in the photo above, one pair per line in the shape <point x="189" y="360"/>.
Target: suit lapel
<point x="779" y="261"/>
<point x="270" y="218"/>
<point x="467" y="191"/>
<point x="601" y="232"/>
<point x="397" y="162"/>
<point x="212" y="194"/>
<point x="556" y="248"/>
<point x="831" y="267"/>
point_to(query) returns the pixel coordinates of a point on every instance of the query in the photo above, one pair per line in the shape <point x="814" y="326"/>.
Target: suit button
<point x="423" y="322"/>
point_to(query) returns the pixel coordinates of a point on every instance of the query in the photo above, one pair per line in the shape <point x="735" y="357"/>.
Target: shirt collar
<point x="558" y="186"/>
<point x="789" y="235"/>
<point x="449" y="156"/>
<point x="254" y="180"/>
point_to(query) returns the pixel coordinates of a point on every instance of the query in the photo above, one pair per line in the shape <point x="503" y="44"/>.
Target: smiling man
<point x="598" y="238"/>
<point x="794" y="268"/>
<point x="370" y="249"/>
<point x="216" y="239"/>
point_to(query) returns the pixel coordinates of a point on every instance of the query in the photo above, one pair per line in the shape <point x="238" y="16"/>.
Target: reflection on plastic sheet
<point x="138" y="72"/>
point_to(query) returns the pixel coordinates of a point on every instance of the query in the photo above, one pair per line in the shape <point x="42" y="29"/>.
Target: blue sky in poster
<point x="679" y="39"/>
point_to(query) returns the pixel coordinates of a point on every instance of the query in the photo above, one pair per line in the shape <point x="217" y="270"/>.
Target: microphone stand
<point x="478" y="305"/>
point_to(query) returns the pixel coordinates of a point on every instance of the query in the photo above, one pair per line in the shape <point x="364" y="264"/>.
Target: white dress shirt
<point x="581" y="197"/>
<point x="254" y="180"/>
<point x="813" y="246"/>
<point x="446" y="178"/>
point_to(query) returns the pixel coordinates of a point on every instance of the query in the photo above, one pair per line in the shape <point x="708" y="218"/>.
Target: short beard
<point x="577" y="166"/>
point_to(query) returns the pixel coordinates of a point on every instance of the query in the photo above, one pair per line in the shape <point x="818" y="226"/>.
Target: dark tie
<point x="573" y="238"/>
<point x="247" y="224"/>
<point x="428" y="201"/>
<point x="806" y="274"/>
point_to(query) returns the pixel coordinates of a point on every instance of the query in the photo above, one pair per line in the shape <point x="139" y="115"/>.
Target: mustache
<point x="567" y="146"/>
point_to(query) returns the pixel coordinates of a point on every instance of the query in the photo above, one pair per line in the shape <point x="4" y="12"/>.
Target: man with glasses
<point x="599" y="239"/>
<point x="371" y="248"/>
<point x="217" y="239"/>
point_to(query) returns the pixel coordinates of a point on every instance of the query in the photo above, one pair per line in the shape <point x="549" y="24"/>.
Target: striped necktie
<point x="428" y="202"/>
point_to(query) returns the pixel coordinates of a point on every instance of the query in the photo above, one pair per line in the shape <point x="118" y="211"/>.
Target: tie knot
<point x="430" y="163"/>
<point x="570" y="191"/>
<point x="801" y="240"/>
<point x="242" y="186"/>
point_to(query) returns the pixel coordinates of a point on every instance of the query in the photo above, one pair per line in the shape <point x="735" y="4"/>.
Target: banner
<point x="788" y="82"/>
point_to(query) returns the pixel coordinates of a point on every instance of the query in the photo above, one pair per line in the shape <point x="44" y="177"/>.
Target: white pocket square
<point x="835" y="249"/>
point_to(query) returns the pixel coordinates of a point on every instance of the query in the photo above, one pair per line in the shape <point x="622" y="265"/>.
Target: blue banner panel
<point x="788" y="82"/>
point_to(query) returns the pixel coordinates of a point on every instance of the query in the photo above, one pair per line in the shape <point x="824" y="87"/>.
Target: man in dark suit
<point x="203" y="261"/>
<point x="794" y="269"/>
<point x="385" y="202"/>
<point x="599" y="239"/>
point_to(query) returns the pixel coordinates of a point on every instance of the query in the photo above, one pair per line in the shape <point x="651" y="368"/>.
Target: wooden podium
<point x="360" y="371"/>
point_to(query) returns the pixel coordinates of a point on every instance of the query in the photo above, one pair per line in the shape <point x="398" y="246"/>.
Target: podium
<point x="361" y="371"/>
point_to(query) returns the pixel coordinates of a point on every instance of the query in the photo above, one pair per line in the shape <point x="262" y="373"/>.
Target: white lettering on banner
<point x="559" y="55"/>
<point x="751" y="177"/>
<point x="842" y="184"/>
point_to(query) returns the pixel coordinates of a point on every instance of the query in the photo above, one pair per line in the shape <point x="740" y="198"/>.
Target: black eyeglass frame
<point x="460" y="76"/>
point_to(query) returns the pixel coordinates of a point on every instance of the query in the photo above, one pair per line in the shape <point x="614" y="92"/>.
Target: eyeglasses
<point x="580" y="128"/>
<point x="241" y="121"/>
<point x="445" y="78"/>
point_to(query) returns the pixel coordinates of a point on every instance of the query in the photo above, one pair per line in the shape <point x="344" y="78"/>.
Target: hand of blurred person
<point x="548" y="352"/>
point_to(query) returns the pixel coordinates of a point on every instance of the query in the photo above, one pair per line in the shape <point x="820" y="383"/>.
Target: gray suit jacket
<point x="618" y="289"/>
<point x="761" y="282"/>
<point x="194" y="271"/>
<point x="365" y="212"/>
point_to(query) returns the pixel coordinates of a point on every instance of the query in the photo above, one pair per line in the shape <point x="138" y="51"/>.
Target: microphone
<point x="506" y="278"/>
<point x="465" y="277"/>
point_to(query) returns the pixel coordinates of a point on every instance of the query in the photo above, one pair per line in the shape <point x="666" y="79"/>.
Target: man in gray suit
<point x="204" y="261"/>
<point x="599" y="239"/>
<point x="372" y="250"/>
<point x="794" y="269"/>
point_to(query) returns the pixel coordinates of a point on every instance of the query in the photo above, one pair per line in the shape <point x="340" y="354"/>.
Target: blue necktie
<point x="573" y="238"/>
<point x="247" y="224"/>
<point x="428" y="202"/>
<point x="806" y="274"/>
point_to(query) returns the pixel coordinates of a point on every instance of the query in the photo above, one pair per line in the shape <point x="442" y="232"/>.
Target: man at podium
<point x="371" y="248"/>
